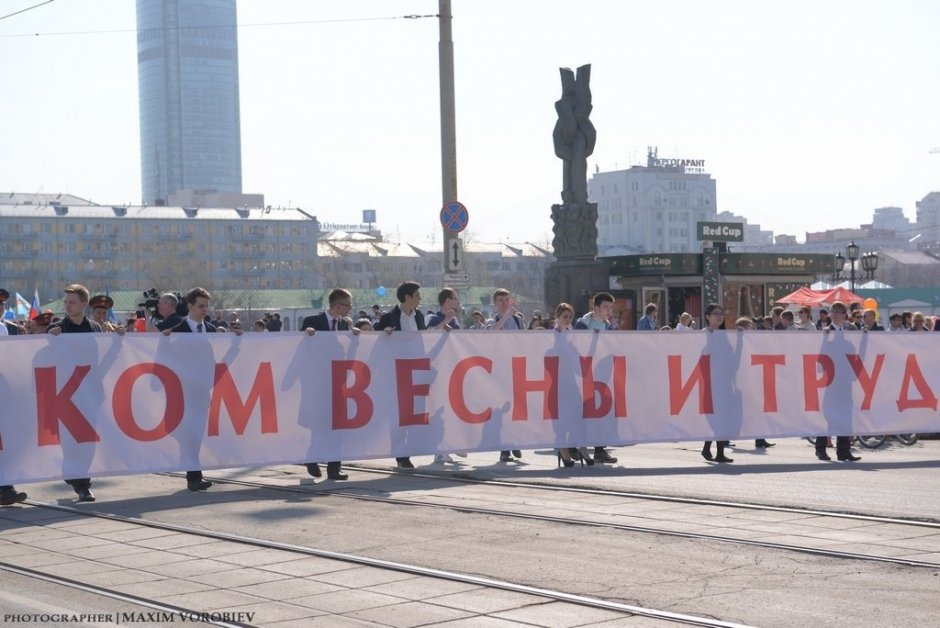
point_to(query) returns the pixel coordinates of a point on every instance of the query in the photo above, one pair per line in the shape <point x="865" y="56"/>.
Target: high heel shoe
<point x="561" y="459"/>
<point x="585" y="457"/>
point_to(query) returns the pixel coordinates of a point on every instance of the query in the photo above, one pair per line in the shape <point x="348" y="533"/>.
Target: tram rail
<point x="560" y="596"/>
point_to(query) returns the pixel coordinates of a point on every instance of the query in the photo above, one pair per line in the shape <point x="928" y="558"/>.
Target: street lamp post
<point x="869" y="263"/>
<point x="851" y="251"/>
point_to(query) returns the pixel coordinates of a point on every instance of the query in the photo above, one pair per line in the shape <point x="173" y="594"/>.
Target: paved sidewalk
<point x="279" y="587"/>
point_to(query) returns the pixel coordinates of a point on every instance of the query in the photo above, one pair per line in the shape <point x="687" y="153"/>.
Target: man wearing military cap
<point x="8" y="494"/>
<point x="100" y="304"/>
<point x="39" y="324"/>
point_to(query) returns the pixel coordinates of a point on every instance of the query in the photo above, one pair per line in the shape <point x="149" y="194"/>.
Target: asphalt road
<point x="751" y="585"/>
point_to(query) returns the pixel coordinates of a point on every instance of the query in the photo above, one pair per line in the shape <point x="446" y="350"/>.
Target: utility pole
<point x="448" y="123"/>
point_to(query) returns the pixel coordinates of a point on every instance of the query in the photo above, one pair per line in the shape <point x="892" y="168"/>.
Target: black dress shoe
<point x="517" y="453"/>
<point x="822" y="455"/>
<point x="198" y="485"/>
<point x="707" y="453"/>
<point x="760" y="443"/>
<point x="723" y="458"/>
<point x="314" y="469"/>
<point x="848" y="458"/>
<point x="601" y="455"/>
<point x="334" y="471"/>
<point x="404" y="463"/>
<point x="85" y="495"/>
<point x="505" y="457"/>
<point x="10" y="497"/>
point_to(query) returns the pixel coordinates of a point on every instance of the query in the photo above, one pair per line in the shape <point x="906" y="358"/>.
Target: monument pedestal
<point x="575" y="282"/>
<point x="576" y="275"/>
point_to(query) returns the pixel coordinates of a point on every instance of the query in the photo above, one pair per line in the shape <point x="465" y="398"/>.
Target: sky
<point x="808" y="114"/>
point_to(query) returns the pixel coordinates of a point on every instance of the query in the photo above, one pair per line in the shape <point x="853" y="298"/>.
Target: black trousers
<point x="843" y="445"/>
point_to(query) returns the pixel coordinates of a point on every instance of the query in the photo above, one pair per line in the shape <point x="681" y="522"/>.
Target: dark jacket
<point x="183" y="327"/>
<point x="320" y="322"/>
<point x="392" y="320"/>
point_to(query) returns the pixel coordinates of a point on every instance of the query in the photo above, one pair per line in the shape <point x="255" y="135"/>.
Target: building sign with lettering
<point x="775" y="264"/>
<point x="721" y="231"/>
<point x="657" y="264"/>
<point x="691" y="166"/>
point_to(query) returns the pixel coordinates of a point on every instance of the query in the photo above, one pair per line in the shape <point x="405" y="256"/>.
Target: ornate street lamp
<point x="870" y="264"/>
<point x="839" y="265"/>
<point x="851" y="252"/>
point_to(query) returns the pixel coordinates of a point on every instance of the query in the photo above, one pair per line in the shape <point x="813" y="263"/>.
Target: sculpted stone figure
<point x="575" y="220"/>
<point x="574" y="134"/>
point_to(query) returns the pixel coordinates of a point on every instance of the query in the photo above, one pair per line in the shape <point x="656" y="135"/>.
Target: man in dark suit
<point x="838" y="315"/>
<point x="335" y="318"/>
<point x="75" y="322"/>
<point x="404" y="317"/>
<point x="506" y="318"/>
<point x="196" y="322"/>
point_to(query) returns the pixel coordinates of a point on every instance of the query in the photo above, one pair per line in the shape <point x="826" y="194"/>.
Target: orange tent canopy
<point x="818" y="298"/>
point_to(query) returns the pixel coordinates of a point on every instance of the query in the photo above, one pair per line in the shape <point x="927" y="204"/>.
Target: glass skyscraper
<point x="187" y="67"/>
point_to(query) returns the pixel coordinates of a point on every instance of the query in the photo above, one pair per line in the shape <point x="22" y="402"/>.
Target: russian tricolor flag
<point x="35" y="310"/>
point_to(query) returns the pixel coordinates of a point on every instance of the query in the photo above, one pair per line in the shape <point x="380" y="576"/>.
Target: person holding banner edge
<point x="714" y="321"/>
<point x="334" y="318"/>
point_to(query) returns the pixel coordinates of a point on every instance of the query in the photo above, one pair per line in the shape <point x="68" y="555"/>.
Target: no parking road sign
<point x="454" y="217"/>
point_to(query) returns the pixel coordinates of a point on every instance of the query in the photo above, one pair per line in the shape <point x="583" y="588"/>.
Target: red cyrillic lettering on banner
<point x="770" y="362"/>
<point x="913" y="374"/>
<point x="593" y="390"/>
<point x="866" y="381"/>
<point x="408" y="390"/>
<point x="53" y="406"/>
<point x="547" y="386"/>
<point x="679" y="392"/>
<point x="620" y="386"/>
<point x="813" y="381"/>
<point x="122" y="401"/>
<point x="455" y="389"/>
<point x="356" y="391"/>
<point x="225" y="391"/>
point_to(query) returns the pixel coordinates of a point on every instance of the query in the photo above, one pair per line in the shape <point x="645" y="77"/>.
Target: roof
<point x="903" y="297"/>
<point x="911" y="257"/>
<point x="143" y="212"/>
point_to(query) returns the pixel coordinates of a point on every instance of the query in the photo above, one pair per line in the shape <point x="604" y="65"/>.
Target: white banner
<point x="99" y="404"/>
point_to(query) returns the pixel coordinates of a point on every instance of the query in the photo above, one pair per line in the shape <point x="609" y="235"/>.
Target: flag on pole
<point x="22" y="306"/>
<point x="111" y="316"/>
<point x="35" y="310"/>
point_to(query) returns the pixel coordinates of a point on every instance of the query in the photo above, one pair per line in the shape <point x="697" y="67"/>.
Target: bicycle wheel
<point x="872" y="442"/>
<point x="907" y="439"/>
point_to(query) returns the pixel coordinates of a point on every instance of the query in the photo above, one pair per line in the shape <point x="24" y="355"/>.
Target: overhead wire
<point x="35" y="6"/>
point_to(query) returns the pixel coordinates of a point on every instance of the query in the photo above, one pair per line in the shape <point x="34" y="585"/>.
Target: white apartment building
<point x="653" y="207"/>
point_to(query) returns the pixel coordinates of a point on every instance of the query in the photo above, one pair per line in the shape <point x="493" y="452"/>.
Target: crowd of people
<point x="170" y="315"/>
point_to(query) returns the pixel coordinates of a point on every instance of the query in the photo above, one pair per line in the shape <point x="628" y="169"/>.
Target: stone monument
<point x="576" y="274"/>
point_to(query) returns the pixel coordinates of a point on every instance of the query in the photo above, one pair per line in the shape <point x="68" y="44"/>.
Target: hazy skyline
<point x="808" y="116"/>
